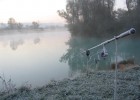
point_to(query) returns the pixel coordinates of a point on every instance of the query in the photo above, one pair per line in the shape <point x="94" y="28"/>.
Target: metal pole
<point x="116" y="65"/>
<point x="129" y="32"/>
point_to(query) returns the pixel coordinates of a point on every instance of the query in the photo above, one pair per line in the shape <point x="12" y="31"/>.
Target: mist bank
<point x="42" y="28"/>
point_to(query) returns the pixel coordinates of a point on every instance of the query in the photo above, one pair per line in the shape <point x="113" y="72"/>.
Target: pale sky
<point x="31" y="10"/>
<point x="120" y="4"/>
<point x="35" y="10"/>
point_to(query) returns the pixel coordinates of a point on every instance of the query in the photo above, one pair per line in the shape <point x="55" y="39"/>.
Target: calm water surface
<point x="33" y="57"/>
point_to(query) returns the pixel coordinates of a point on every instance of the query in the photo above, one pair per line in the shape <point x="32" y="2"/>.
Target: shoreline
<point x="94" y="85"/>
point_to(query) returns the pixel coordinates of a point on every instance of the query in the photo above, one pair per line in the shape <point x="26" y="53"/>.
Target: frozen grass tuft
<point x="7" y="86"/>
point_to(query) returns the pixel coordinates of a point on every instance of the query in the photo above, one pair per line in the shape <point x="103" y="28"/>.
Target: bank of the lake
<point x="96" y="85"/>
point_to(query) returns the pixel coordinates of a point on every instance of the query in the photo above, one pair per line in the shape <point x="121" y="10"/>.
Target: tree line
<point x="12" y="24"/>
<point x="98" y="17"/>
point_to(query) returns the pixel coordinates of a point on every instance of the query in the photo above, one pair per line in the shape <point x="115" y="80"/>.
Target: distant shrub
<point x="25" y="88"/>
<point x="7" y="86"/>
<point x="123" y="64"/>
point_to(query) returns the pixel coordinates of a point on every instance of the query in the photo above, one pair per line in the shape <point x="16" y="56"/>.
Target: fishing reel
<point x="104" y="52"/>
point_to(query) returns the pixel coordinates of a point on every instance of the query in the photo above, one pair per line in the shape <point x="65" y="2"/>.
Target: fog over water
<point x="33" y="57"/>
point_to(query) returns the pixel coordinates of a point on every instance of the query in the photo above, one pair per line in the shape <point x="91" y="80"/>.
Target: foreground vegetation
<point x="92" y="85"/>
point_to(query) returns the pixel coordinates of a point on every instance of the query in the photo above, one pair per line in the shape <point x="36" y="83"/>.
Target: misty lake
<point x="35" y="57"/>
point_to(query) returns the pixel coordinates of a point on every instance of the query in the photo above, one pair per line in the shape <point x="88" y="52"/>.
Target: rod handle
<point x="129" y="32"/>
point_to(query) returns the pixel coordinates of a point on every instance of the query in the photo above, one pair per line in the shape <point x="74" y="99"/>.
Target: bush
<point x="123" y="64"/>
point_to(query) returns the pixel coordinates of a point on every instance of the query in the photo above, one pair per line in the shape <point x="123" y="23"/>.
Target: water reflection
<point x="33" y="57"/>
<point x="36" y="40"/>
<point x="127" y="48"/>
<point x="75" y="59"/>
<point x="15" y="43"/>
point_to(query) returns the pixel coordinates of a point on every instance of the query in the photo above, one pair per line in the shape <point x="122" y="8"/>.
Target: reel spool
<point x="104" y="52"/>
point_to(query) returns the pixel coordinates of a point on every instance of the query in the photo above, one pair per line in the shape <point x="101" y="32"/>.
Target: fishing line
<point x="115" y="72"/>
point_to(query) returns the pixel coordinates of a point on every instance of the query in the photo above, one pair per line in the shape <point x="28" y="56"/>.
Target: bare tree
<point x="12" y="23"/>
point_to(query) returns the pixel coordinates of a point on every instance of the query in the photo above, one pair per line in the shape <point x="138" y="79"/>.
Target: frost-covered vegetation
<point x="94" y="85"/>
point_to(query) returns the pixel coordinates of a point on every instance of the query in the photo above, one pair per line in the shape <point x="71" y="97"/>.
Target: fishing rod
<point x="124" y="34"/>
<point x="104" y="53"/>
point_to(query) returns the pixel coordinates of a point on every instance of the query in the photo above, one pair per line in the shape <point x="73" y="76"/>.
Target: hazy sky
<point x="120" y="4"/>
<point x="35" y="10"/>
